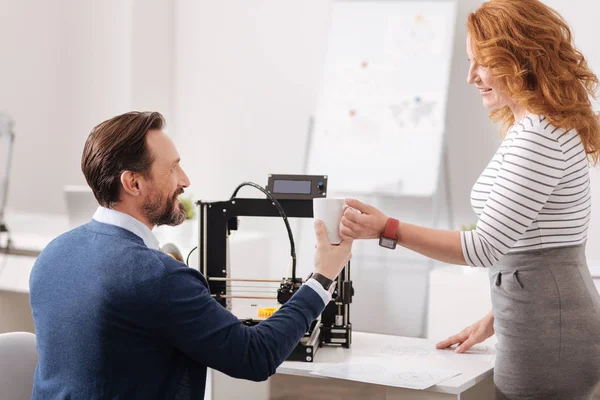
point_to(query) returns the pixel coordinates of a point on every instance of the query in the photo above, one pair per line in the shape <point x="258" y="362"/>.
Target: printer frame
<point x="218" y="219"/>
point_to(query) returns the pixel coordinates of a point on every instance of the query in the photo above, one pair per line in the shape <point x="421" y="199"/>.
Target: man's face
<point x="165" y="182"/>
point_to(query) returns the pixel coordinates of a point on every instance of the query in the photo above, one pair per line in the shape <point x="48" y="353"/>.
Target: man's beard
<point x="166" y="214"/>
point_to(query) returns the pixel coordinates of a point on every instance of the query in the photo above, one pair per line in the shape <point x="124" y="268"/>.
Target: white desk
<point x="294" y="380"/>
<point x="474" y="366"/>
<point x="475" y="369"/>
<point x="31" y="232"/>
<point x="14" y="272"/>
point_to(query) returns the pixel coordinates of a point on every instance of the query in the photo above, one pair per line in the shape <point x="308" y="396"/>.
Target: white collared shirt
<point x="126" y="221"/>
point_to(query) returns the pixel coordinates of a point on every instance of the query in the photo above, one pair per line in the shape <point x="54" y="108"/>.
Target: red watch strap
<point x="391" y="228"/>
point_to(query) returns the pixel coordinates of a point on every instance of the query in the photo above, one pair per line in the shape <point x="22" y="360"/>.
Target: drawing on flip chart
<point x="415" y="35"/>
<point x="414" y="113"/>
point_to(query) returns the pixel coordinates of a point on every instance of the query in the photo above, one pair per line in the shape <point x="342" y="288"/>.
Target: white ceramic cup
<point x="330" y="211"/>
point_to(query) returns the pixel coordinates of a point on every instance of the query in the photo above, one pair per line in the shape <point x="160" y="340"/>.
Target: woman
<point x="533" y="203"/>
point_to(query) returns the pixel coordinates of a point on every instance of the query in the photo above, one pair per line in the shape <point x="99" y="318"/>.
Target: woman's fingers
<point x="364" y="220"/>
<point x="351" y="214"/>
<point x="349" y="229"/>
<point x="452" y="340"/>
<point x="357" y="205"/>
<point x="470" y="342"/>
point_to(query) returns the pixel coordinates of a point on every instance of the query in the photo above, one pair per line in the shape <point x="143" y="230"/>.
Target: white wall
<point x="32" y="90"/>
<point x="246" y="80"/>
<point x="68" y="70"/>
<point x="67" y="65"/>
<point x="472" y="137"/>
<point x="152" y="58"/>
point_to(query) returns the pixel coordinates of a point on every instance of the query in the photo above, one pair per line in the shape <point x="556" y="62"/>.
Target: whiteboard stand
<point x="441" y="202"/>
<point x="446" y="186"/>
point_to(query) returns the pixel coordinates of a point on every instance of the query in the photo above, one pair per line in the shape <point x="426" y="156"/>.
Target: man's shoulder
<point x="94" y="249"/>
<point x="156" y="267"/>
<point x="65" y="240"/>
<point x="84" y="238"/>
<point x="167" y="263"/>
<point x="119" y="250"/>
<point x="170" y="265"/>
<point x="126" y="268"/>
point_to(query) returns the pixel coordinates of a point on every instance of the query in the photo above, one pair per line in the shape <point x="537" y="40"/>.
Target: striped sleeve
<point x="531" y="168"/>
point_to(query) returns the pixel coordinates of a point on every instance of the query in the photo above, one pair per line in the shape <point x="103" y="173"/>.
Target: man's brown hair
<point x="115" y="146"/>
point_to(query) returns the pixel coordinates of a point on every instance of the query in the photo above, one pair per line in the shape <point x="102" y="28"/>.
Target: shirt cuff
<point x="317" y="287"/>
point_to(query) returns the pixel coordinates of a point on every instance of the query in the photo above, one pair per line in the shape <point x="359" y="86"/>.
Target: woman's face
<point x="491" y="91"/>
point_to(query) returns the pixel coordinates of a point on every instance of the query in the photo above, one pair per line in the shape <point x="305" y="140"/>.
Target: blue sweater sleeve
<point x="207" y="332"/>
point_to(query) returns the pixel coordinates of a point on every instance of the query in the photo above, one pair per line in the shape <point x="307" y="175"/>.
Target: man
<point x="116" y="318"/>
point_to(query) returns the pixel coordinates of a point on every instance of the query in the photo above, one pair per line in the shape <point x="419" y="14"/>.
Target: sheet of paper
<point x="386" y="373"/>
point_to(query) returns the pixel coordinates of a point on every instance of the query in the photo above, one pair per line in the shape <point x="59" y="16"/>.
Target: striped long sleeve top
<point x="534" y="194"/>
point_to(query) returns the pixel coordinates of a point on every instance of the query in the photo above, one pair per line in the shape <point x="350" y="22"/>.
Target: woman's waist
<point x="542" y="258"/>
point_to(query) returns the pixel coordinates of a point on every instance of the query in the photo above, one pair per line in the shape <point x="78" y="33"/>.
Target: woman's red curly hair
<point x="528" y="47"/>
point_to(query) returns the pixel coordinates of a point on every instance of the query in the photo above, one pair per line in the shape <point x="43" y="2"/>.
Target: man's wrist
<point x="322" y="279"/>
<point x="318" y="288"/>
<point x="323" y="285"/>
<point x="324" y="273"/>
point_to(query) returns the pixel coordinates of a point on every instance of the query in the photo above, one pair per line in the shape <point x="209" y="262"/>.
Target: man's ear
<point x="131" y="182"/>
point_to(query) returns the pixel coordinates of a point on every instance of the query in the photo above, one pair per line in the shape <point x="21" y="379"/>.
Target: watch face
<point x="387" y="242"/>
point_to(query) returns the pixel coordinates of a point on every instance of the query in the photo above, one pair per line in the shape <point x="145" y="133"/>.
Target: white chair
<point x="18" y="360"/>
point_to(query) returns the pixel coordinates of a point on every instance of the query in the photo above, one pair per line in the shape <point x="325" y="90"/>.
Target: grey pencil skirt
<point x="547" y="322"/>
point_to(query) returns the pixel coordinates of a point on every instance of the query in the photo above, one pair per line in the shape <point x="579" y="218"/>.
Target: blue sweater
<point x="117" y="320"/>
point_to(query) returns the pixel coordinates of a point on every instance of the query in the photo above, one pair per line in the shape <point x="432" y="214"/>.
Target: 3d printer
<point x="287" y="196"/>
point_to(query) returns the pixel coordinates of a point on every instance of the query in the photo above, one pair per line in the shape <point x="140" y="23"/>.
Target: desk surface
<point x="14" y="272"/>
<point x="474" y="367"/>
<point x="32" y="232"/>
<point x="29" y="233"/>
